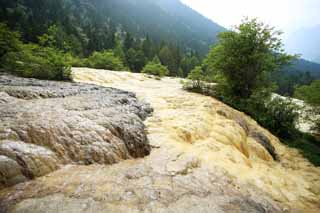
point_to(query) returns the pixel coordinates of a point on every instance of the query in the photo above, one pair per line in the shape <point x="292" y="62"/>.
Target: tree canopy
<point x="244" y="56"/>
<point x="309" y="93"/>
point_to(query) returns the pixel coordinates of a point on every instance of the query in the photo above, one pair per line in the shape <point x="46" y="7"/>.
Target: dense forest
<point x="299" y="72"/>
<point x="179" y="36"/>
<point x="173" y="32"/>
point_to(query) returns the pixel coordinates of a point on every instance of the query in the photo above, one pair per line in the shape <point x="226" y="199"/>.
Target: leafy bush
<point x="278" y="115"/>
<point x="75" y="61"/>
<point x="33" y="61"/>
<point x="245" y="56"/>
<point x="9" y="41"/>
<point x="155" y="68"/>
<point x="30" y="60"/>
<point x="105" y="60"/>
<point x="56" y="37"/>
<point x="196" y="76"/>
<point x="240" y="63"/>
<point x="316" y="127"/>
<point x="135" y="59"/>
<point x="309" y="93"/>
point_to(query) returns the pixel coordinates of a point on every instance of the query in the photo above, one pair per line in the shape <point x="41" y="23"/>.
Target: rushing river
<point x="205" y="157"/>
<point x="206" y="130"/>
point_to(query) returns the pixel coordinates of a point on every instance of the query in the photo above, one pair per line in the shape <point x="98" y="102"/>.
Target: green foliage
<point x="33" y="61"/>
<point x="316" y="127"/>
<point x="105" y="60"/>
<point x="135" y="59"/>
<point x="119" y="50"/>
<point x="128" y="41"/>
<point x="148" y="48"/>
<point x="166" y="57"/>
<point x="246" y="55"/>
<point x="188" y="63"/>
<point x="156" y="60"/>
<point x="287" y="81"/>
<point x="155" y="68"/>
<point x="76" y="61"/>
<point x="308" y="146"/>
<point x="276" y="114"/>
<point x="55" y="37"/>
<point x="94" y="23"/>
<point x="309" y="93"/>
<point x="9" y="41"/>
<point x="196" y="76"/>
<point x="240" y="63"/>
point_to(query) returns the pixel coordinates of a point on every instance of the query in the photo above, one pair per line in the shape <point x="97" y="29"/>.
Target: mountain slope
<point x="164" y="20"/>
<point x="302" y="65"/>
<point x="92" y="21"/>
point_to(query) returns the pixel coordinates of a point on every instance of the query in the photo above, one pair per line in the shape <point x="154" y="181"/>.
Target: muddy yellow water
<point x="206" y="129"/>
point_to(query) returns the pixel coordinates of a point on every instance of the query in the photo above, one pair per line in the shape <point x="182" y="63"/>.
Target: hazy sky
<point x="286" y="15"/>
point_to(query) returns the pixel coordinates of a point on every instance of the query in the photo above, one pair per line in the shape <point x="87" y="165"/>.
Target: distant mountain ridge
<point x="302" y="65"/>
<point x="164" y="20"/>
<point x="90" y="25"/>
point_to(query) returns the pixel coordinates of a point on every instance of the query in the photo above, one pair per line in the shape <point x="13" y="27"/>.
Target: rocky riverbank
<point x="205" y="157"/>
<point x="45" y="125"/>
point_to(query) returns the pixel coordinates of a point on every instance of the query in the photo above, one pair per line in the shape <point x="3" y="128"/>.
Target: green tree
<point x="156" y="60"/>
<point x="128" y="41"/>
<point x="246" y="55"/>
<point x="118" y="50"/>
<point x="34" y="61"/>
<point x="148" y="48"/>
<point x="167" y="59"/>
<point x="56" y="37"/>
<point x="188" y="63"/>
<point x="196" y="75"/>
<point x="136" y="60"/>
<point x="309" y="93"/>
<point x="105" y="60"/>
<point x="155" y="68"/>
<point x="9" y="40"/>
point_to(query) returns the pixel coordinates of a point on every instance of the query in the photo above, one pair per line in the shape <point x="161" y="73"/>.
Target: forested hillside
<point x="307" y="66"/>
<point x="135" y="33"/>
<point x="300" y="72"/>
<point x="93" y="23"/>
<point x="141" y="29"/>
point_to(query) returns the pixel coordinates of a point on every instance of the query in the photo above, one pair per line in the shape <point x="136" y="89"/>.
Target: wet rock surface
<point x="205" y="157"/>
<point x="144" y="185"/>
<point x="46" y="124"/>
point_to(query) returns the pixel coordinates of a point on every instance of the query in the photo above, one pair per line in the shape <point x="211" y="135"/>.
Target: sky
<point x="286" y="15"/>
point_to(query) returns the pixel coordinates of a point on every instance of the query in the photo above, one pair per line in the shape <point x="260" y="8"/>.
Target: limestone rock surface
<point x="46" y="124"/>
<point x="205" y="157"/>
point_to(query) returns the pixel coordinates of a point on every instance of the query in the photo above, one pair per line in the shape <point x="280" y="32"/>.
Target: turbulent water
<point x="205" y="157"/>
<point x="197" y="126"/>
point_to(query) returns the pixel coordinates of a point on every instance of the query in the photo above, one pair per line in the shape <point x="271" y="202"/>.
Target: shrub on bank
<point x="30" y="60"/>
<point x="277" y="115"/>
<point x="33" y="61"/>
<point x="105" y="60"/>
<point x="155" y="68"/>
